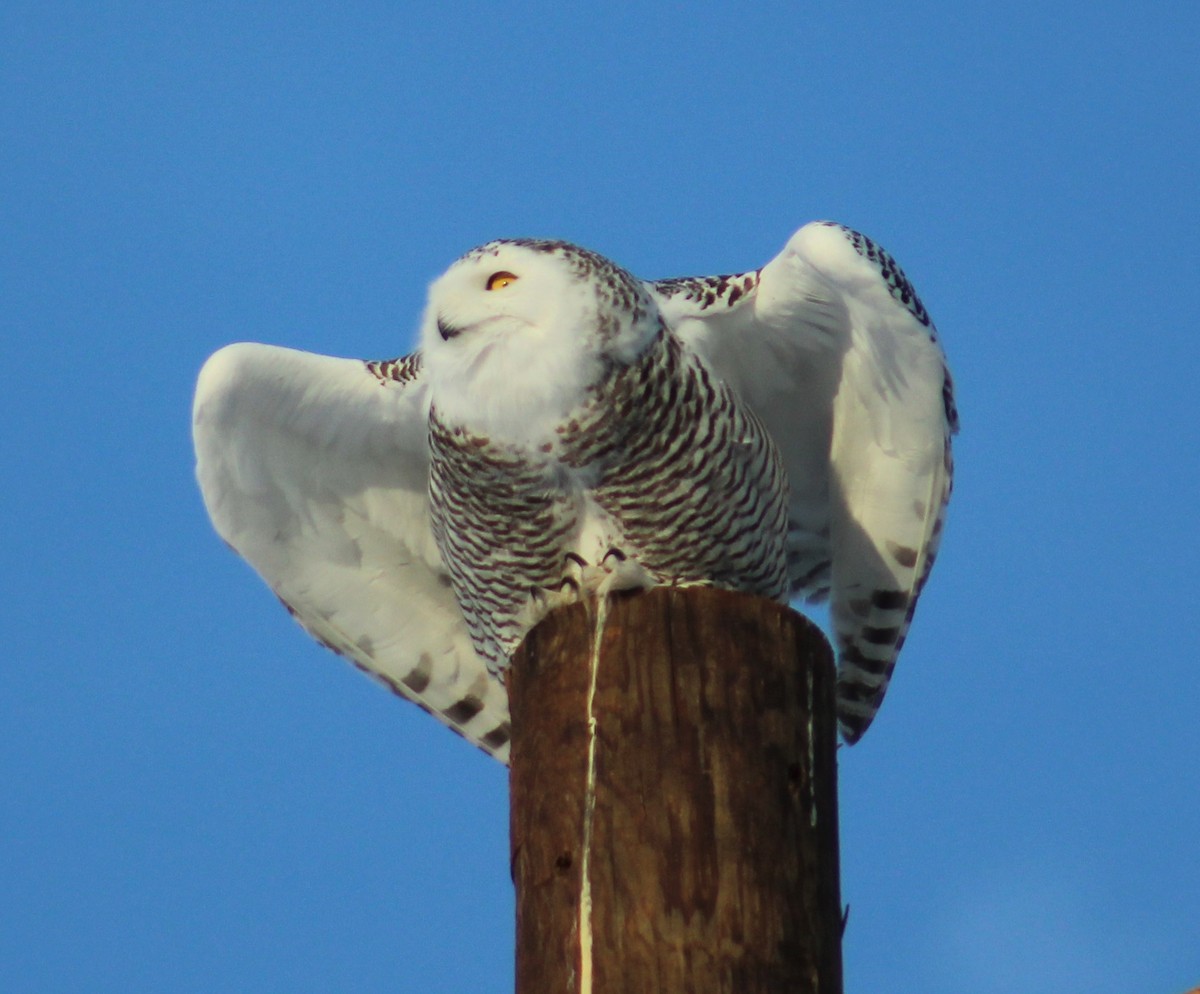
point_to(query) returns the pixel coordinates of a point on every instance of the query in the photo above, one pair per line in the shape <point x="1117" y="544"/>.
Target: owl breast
<point x="659" y="468"/>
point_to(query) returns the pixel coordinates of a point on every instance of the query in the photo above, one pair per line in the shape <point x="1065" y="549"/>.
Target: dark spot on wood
<point x="795" y="773"/>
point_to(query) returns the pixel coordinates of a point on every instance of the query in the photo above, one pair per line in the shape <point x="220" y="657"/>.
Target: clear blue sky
<point x="195" y="798"/>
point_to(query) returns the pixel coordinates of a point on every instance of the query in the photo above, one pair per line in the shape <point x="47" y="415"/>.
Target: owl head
<point x="516" y="332"/>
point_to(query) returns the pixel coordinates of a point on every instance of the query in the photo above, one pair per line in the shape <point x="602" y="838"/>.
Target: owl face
<point x="515" y="332"/>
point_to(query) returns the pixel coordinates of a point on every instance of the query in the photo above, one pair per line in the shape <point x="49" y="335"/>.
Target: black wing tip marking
<point x="899" y="285"/>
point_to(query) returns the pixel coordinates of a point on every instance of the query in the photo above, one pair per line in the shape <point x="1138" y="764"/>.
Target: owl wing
<point x="315" y="470"/>
<point x="832" y="349"/>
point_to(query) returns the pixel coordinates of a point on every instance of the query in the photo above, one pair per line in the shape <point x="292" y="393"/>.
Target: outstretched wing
<point x="831" y="347"/>
<point x="316" y="471"/>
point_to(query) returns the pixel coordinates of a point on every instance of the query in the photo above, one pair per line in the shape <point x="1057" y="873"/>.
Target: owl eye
<point x="498" y="281"/>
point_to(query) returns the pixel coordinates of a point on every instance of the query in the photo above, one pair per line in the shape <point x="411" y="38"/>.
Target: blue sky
<point x="197" y="798"/>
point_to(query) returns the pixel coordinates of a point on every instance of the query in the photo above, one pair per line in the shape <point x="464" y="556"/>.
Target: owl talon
<point x="575" y="572"/>
<point x="622" y="573"/>
<point x="570" y="588"/>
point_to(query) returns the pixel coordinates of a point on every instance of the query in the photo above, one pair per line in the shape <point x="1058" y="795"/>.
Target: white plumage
<point x="419" y="515"/>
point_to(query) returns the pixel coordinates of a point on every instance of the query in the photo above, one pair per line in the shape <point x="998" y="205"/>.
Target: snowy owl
<point x="566" y="429"/>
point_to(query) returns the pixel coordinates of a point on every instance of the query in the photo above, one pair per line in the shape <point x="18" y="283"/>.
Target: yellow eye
<point x="498" y="281"/>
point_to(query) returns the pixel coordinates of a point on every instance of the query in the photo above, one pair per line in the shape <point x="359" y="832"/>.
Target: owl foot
<point x="569" y="589"/>
<point x="617" y="572"/>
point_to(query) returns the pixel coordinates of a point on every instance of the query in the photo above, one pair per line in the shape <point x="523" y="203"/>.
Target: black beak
<point x="447" y="331"/>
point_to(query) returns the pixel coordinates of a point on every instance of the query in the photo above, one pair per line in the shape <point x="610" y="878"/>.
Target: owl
<point x="566" y="429"/>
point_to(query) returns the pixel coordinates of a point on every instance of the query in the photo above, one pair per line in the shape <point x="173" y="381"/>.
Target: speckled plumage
<point x="566" y="428"/>
<point x="655" y="465"/>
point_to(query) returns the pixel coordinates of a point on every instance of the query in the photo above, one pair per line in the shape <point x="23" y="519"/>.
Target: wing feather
<point x="315" y="470"/>
<point x="831" y="347"/>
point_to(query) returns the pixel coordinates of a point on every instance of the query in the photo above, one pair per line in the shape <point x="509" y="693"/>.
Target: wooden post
<point x="674" y="806"/>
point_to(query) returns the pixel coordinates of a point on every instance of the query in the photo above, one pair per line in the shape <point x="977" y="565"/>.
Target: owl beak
<point x="447" y="331"/>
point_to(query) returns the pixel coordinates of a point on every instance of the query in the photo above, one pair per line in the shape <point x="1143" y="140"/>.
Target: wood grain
<point x="713" y="856"/>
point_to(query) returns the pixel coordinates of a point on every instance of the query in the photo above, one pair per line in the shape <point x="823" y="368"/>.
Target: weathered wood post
<point x="674" y="800"/>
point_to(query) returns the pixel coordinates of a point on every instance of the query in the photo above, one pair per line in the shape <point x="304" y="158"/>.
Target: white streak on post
<point x="589" y="810"/>
<point x="811" y="705"/>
